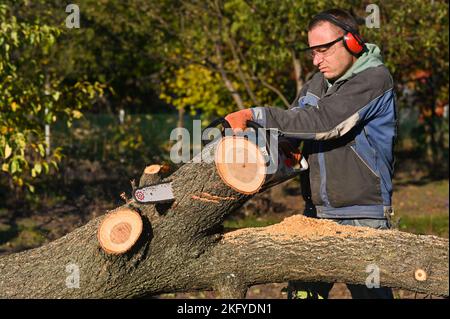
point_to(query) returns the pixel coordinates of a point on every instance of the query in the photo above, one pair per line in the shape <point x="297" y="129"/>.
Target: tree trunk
<point x="180" y="122"/>
<point x="228" y="84"/>
<point x="243" y="77"/>
<point x="182" y="248"/>
<point x="297" y="72"/>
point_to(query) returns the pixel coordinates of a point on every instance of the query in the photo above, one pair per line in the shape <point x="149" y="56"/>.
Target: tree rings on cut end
<point x="420" y="275"/>
<point x="152" y="169"/>
<point x="240" y="164"/>
<point x="119" y="231"/>
<point x="151" y="175"/>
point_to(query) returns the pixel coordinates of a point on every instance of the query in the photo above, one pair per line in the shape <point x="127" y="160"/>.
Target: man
<point x="347" y="114"/>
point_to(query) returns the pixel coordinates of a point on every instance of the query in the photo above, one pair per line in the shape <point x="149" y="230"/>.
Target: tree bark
<point x="297" y="72"/>
<point x="182" y="248"/>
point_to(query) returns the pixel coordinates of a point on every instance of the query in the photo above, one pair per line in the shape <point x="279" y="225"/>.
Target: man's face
<point x="334" y="61"/>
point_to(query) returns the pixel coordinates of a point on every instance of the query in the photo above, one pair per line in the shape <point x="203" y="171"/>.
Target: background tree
<point x="32" y="95"/>
<point x="207" y="58"/>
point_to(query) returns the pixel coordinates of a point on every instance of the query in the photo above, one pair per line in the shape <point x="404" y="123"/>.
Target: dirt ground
<point x="277" y="291"/>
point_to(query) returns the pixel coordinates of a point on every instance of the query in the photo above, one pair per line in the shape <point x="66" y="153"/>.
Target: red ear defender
<point x="353" y="43"/>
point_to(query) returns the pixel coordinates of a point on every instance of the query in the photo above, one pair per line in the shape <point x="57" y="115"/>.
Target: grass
<point x="422" y="207"/>
<point x="24" y="234"/>
<point x="6" y="233"/>
<point x="425" y="225"/>
<point x="421" y="198"/>
<point x="250" y="221"/>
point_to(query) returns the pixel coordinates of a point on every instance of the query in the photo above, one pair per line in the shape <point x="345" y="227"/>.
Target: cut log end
<point x="152" y="169"/>
<point x="151" y="175"/>
<point x="119" y="231"/>
<point x="420" y="275"/>
<point x="240" y="164"/>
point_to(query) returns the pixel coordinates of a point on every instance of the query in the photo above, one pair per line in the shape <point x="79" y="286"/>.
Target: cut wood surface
<point x="119" y="231"/>
<point x="150" y="175"/>
<point x="182" y="248"/>
<point x="240" y="164"/>
<point x="249" y="168"/>
<point x="152" y="169"/>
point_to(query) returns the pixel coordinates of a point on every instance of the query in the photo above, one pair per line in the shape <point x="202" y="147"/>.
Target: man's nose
<point x="318" y="58"/>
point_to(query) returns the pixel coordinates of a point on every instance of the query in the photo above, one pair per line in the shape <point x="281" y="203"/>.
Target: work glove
<point x="238" y="120"/>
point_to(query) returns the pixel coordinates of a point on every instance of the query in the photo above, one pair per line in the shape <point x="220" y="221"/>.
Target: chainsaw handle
<point x="215" y="123"/>
<point x="220" y="120"/>
<point x="250" y="124"/>
<point x="256" y="126"/>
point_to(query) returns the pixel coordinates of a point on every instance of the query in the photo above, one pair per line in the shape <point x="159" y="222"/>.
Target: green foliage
<point x="258" y="39"/>
<point x="413" y="36"/>
<point x="299" y="294"/>
<point x="301" y="290"/>
<point x="195" y="55"/>
<point x="208" y="96"/>
<point x="236" y="42"/>
<point x="249" y="48"/>
<point x="32" y="96"/>
<point x="414" y="39"/>
<point x="122" y="148"/>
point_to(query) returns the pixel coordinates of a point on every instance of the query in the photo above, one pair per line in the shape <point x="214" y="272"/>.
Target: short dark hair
<point x="339" y="14"/>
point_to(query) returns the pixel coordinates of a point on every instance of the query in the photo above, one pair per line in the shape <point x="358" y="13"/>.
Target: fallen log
<point x="182" y="248"/>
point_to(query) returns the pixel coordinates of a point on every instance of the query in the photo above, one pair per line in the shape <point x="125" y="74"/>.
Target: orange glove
<point x="238" y="120"/>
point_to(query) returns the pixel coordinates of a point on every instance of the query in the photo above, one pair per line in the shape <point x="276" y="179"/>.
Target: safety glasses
<point x="323" y="50"/>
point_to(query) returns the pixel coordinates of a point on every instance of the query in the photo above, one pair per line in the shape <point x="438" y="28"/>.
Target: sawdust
<point x="304" y="227"/>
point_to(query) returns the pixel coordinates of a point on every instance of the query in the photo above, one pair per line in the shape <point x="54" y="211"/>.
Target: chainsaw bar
<point x="158" y="193"/>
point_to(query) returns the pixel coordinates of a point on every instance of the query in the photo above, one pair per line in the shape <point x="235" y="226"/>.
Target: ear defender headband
<point x="352" y="40"/>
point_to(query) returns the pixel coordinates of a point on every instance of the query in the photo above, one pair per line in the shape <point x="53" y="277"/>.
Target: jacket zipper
<point x="373" y="172"/>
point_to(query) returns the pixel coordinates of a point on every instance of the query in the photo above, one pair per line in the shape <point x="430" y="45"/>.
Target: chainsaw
<point x="155" y="193"/>
<point x="163" y="192"/>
